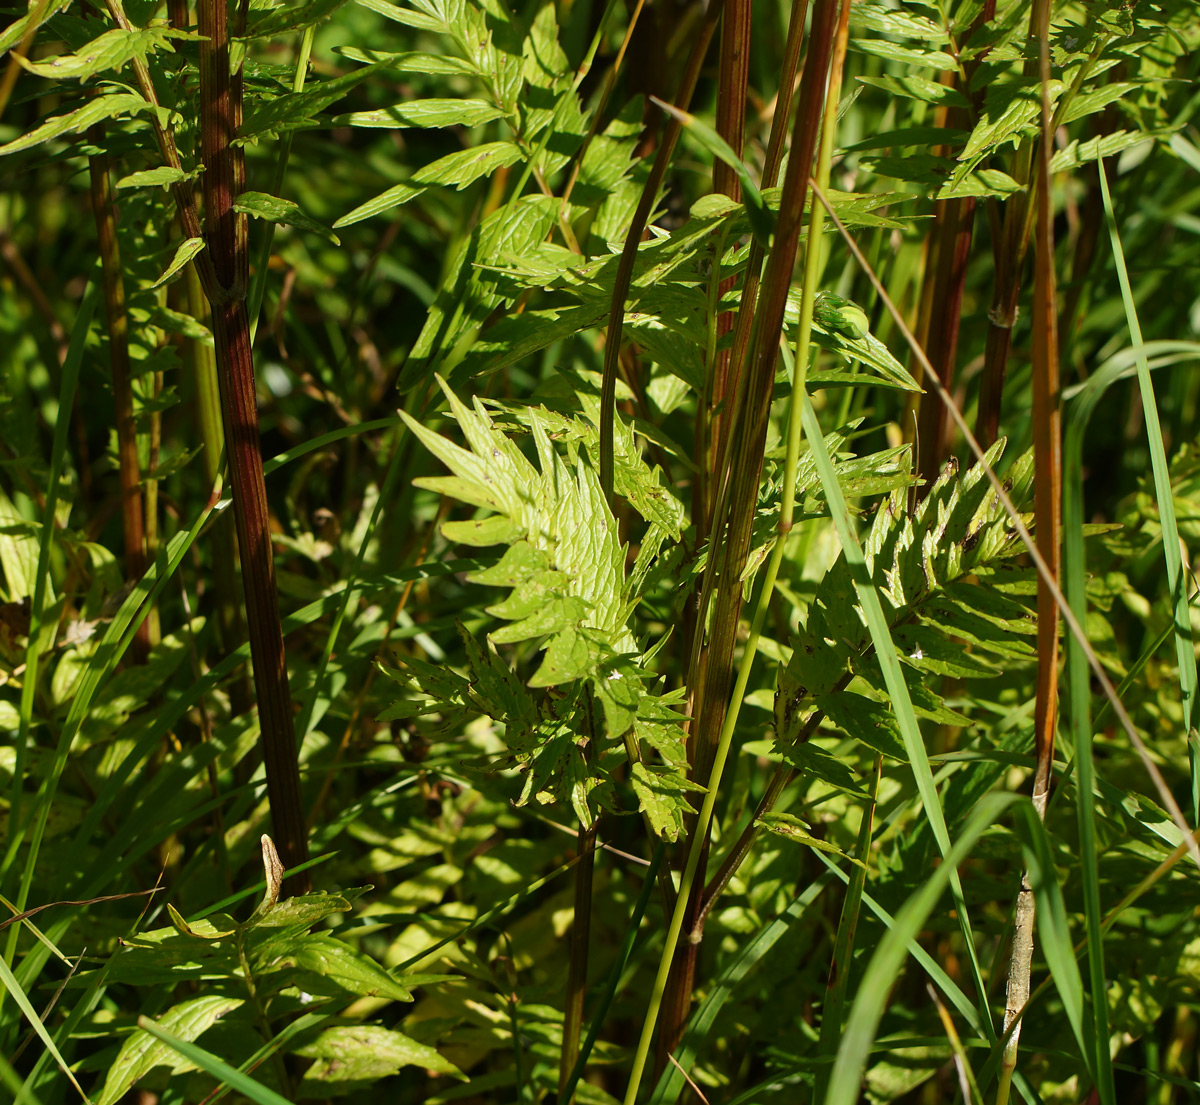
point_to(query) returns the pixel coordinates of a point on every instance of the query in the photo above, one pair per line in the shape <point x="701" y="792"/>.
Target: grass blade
<point x="10" y="984"/>
<point x="66" y="400"/>
<point x="207" y="1061"/>
<point x="846" y="1079"/>
<point x="906" y="718"/>
<point x="670" y="1083"/>
<point x="1184" y="648"/>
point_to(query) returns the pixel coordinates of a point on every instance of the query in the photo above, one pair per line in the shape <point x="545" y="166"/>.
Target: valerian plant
<point x="540" y="655"/>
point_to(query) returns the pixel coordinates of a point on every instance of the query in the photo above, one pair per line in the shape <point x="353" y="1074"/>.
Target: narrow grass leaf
<point x="1184" y="648"/>
<point x="207" y="1061"/>
<point x="884" y="968"/>
<point x="901" y="701"/>
<point x="10" y="984"/>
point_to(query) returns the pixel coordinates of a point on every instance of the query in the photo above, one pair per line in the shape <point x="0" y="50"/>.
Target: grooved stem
<point x="225" y="237"/>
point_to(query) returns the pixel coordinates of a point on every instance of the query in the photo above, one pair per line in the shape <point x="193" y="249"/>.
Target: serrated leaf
<point x="813" y="760"/>
<point x="348" y="968"/>
<point x="261" y="206"/>
<point x="424" y="113"/>
<point x="407" y="16"/>
<point x="662" y="795"/>
<point x="545" y="618"/>
<point x="903" y="22"/>
<point x="1080" y="152"/>
<point x="288" y="18"/>
<point x="163" y="177"/>
<point x="981" y="183"/>
<point x="1095" y="99"/>
<point x="868" y="721"/>
<point x="112" y="50"/>
<point x="295" y="109"/>
<point x="395" y="196"/>
<point x="466" y="166"/>
<point x="1008" y="115"/>
<point x="304" y="910"/>
<point x="141" y="1052"/>
<point x="919" y="562"/>
<point x="881" y="48"/>
<point x="360" y="1055"/>
<point x="928" y="650"/>
<point x="792" y="828"/>
<point x="186" y="251"/>
<point x="914" y="87"/>
<point x="409" y="61"/>
<point x="94" y="111"/>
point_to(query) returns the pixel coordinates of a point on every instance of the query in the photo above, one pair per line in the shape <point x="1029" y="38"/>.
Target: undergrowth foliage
<point x="537" y="722"/>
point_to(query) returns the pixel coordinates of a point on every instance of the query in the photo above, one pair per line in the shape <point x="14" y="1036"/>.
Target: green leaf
<point x="12" y="986"/>
<point x="94" y="111"/>
<point x="981" y="183"/>
<point x="409" y="61"/>
<point x="348" y="968"/>
<point x="304" y="910"/>
<point x="1007" y="118"/>
<point x="762" y="221"/>
<point x="887" y="961"/>
<point x="914" y="87"/>
<point x="296" y="109"/>
<point x="358" y="1056"/>
<point x="16" y="30"/>
<point x="813" y="760"/>
<point x="395" y="196"/>
<point x="188" y="249"/>
<point x="287" y="18"/>
<point x="866" y="720"/>
<point x="206" y="1061"/>
<point x="880" y="48"/>
<point x="142" y="1052"/>
<point x="792" y="828"/>
<point x="164" y="177"/>
<point x="406" y="16"/>
<point x="466" y="166"/>
<point x="262" y="206"/>
<point x="112" y="50"/>
<point x="662" y="795"/>
<point x="18" y="551"/>
<point x="424" y="113"/>
<point x="1082" y="151"/>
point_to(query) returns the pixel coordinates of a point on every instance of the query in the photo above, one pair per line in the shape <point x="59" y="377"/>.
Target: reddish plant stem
<point x="732" y="388"/>
<point x="953" y="220"/>
<point x="1047" y="447"/>
<point x="711" y="668"/>
<point x="950" y="242"/>
<point x="1047" y="491"/>
<point x="731" y="125"/>
<point x="225" y="237"/>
